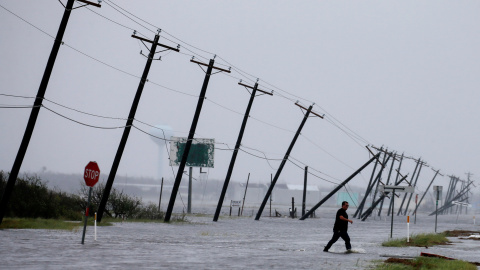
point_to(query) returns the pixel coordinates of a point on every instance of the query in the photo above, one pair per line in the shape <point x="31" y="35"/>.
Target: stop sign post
<point x="91" y="176"/>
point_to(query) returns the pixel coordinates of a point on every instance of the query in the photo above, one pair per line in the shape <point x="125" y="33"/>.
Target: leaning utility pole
<point x="285" y="158"/>
<point x="191" y="134"/>
<point x="128" y="125"/>
<point x="404" y="197"/>
<point x="360" y="207"/>
<point x="396" y="179"/>
<point x="36" y="107"/>
<point x="237" y="145"/>
<point x="388" y="182"/>
<point x="414" y="185"/>
<point x="377" y="178"/>
<point x="339" y="187"/>
<point x="245" y="194"/>
<point x="418" y="204"/>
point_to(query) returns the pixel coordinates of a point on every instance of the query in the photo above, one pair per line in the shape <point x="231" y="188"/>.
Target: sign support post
<point x="91" y="176"/>
<point x="86" y="214"/>
<point x="393" y="207"/>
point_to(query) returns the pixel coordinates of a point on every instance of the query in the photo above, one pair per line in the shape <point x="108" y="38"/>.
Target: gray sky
<point x="402" y="74"/>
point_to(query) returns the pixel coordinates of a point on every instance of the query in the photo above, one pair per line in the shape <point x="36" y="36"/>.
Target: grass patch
<point x="422" y="240"/>
<point x="46" y="224"/>
<point x="424" y="263"/>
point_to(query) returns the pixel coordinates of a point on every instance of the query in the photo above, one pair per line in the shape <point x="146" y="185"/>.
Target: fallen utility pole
<point x="245" y="194"/>
<point x="382" y="197"/>
<point x="449" y="204"/>
<point x="377" y="178"/>
<point x="360" y="207"/>
<point x="12" y="178"/>
<point x="338" y="188"/>
<point x="128" y="125"/>
<point x="285" y="158"/>
<point x="237" y="146"/>
<point x="191" y="134"/>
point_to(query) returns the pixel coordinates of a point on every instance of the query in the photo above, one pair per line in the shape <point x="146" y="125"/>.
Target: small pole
<point x="86" y="215"/>
<point x="245" y="194"/>
<point x="408" y="229"/>
<point x="393" y="206"/>
<point x="292" y="213"/>
<point x="436" y="209"/>
<point x="304" y="191"/>
<point x="189" y="207"/>
<point x="95" y="226"/>
<point x="160" y="199"/>
<point x="271" y="182"/>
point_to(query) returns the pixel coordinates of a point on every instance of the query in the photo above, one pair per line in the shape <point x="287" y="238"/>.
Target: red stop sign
<point x="92" y="173"/>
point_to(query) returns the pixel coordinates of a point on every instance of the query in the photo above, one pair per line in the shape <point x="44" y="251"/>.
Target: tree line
<point x="31" y="198"/>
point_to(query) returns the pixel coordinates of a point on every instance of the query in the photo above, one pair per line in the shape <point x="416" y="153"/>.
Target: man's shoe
<point x="325" y="250"/>
<point x="349" y="251"/>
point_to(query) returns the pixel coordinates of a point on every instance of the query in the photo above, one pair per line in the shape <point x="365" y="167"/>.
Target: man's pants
<point x="337" y="234"/>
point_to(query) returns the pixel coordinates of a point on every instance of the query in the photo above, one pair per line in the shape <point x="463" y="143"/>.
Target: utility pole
<point x="191" y="134"/>
<point x="414" y="185"/>
<point x="36" y="106"/>
<point x="418" y="204"/>
<point x="404" y="197"/>
<point x="131" y="116"/>
<point x="237" y="146"/>
<point x="285" y="158"/>
<point x="388" y="182"/>
<point x="245" y="194"/>
<point x="381" y="173"/>
<point x="396" y="179"/>
<point x="304" y="190"/>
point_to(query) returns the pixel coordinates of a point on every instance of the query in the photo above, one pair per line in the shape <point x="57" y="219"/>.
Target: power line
<point x="78" y="122"/>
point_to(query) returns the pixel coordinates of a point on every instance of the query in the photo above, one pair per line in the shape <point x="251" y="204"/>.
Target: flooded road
<point x="230" y="243"/>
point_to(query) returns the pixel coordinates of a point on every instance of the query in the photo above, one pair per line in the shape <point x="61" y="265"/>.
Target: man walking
<point x="340" y="228"/>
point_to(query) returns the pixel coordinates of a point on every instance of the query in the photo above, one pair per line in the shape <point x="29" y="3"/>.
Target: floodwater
<point x="230" y="243"/>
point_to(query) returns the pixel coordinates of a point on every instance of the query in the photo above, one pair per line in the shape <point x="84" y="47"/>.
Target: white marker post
<point x="95" y="226"/>
<point x="408" y="229"/>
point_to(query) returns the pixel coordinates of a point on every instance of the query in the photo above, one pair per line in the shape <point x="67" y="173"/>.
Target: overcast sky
<point x="398" y="74"/>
